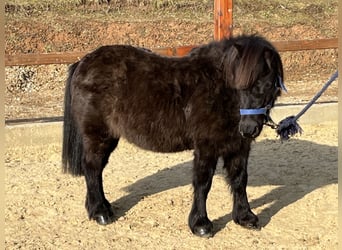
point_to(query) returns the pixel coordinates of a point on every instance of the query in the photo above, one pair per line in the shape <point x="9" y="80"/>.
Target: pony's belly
<point x="155" y="131"/>
<point x="159" y="142"/>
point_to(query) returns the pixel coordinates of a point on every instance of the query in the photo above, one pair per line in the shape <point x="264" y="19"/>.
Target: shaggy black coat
<point x="170" y="104"/>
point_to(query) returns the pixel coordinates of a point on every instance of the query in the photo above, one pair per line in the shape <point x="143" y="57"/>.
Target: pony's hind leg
<point x="203" y="172"/>
<point x="236" y="166"/>
<point x="96" y="153"/>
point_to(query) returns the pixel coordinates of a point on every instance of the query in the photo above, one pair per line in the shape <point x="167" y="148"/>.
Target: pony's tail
<point x="72" y="140"/>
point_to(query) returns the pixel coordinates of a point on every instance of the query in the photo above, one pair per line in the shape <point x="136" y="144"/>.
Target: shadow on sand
<point x="296" y="168"/>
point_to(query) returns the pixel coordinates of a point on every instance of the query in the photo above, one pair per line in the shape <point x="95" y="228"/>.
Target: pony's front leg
<point x="203" y="172"/>
<point x="236" y="166"/>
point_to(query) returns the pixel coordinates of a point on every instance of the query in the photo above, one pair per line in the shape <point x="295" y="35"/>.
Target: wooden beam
<point x="177" y="51"/>
<point x="330" y="43"/>
<point x="43" y="59"/>
<point x="223" y="19"/>
<point x="70" y="57"/>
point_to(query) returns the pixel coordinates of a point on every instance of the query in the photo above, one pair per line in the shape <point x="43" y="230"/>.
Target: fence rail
<point x="70" y="57"/>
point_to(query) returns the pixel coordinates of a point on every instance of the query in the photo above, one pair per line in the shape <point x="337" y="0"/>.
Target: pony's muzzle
<point x="249" y="128"/>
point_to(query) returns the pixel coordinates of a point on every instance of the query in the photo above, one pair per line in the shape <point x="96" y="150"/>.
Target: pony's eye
<point x="262" y="86"/>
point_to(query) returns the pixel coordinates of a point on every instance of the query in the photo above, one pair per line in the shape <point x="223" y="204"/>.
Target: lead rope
<point x="289" y="126"/>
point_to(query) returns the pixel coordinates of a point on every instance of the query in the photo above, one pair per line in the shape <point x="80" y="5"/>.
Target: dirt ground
<point x="292" y="185"/>
<point x="292" y="188"/>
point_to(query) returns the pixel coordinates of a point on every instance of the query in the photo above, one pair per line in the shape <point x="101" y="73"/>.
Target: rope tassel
<point x="289" y="126"/>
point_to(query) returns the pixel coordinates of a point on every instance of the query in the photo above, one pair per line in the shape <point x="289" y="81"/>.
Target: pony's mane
<point x="247" y="58"/>
<point x="243" y="59"/>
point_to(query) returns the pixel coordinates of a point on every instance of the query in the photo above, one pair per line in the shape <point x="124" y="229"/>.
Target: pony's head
<point x="253" y="66"/>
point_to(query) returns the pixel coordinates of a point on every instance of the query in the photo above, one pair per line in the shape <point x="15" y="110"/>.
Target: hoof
<point x="204" y="232"/>
<point x="250" y="221"/>
<point x="103" y="216"/>
<point x="254" y="226"/>
<point x="104" y="219"/>
<point x="202" y="228"/>
<point x="102" y="213"/>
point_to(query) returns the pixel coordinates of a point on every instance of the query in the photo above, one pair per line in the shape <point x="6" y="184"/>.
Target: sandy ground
<point x="292" y="188"/>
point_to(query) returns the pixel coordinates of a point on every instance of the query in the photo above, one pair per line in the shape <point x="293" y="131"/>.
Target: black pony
<point x="215" y="100"/>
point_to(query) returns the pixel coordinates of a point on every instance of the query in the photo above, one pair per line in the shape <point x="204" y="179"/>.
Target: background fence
<point x="65" y="58"/>
<point x="223" y="23"/>
<point x="38" y="91"/>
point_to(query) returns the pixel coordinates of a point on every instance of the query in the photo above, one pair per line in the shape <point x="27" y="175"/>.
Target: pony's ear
<point x="273" y="61"/>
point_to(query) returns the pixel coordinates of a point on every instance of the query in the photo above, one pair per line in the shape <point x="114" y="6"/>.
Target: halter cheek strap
<point x="282" y="85"/>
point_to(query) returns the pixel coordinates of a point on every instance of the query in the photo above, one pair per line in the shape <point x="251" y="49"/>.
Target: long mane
<point x="247" y="59"/>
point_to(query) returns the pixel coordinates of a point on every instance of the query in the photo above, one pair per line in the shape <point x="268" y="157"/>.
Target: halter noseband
<point x="259" y="111"/>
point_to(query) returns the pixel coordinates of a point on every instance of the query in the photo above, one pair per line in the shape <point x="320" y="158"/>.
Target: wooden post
<point x="223" y="18"/>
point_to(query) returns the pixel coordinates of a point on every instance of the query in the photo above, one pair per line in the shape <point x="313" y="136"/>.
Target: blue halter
<point x="262" y="111"/>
